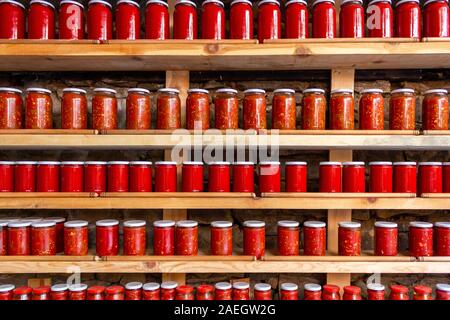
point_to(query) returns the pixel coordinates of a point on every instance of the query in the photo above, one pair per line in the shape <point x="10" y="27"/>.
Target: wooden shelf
<point x="147" y="55"/>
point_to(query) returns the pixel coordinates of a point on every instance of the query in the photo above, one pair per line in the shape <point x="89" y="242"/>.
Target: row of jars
<point x="53" y="235"/>
<point x="170" y="290"/>
<point x="137" y="176"/>
<point x="71" y="24"/>
<point x="74" y="109"/>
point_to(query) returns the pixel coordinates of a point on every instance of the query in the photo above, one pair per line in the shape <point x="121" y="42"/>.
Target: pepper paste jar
<point x="223" y="291"/>
<point x="386" y="238"/>
<point x="114" y="293"/>
<point x="241" y="20"/>
<point x="168" y="109"/>
<point x="241" y="291"/>
<point x="351" y="17"/>
<point x="197" y="109"/>
<point x="95" y="176"/>
<point x="4" y="237"/>
<point x="59" y="292"/>
<point x="140" y="173"/>
<point x="324" y="19"/>
<point x="314" y="109"/>
<point x="6" y="292"/>
<point x="76" y="238"/>
<point x="43" y="238"/>
<point x="11" y="113"/>
<point x="47" y="176"/>
<point x="99" y="20"/>
<point x="380" y="19"/>
<point x="352" y="293"/>
<point x="289" y="291"/>
<point x="184" y="292"/>
<point x="74" y="109"/>
<point x="371" y="110"/>
<point x="442" y="291"/>
<point x="96" y="293"/>
<point x="134" y="238"/>
<point x="243" y="176"/>
<point x="288" y="238"/>
<point x="22" y="293"/>
<point x="72" y="176"/>
<point x="435" y="109"/>
<point x="186" y="238"/>
<point x="157" y="20"/>
<point x="269" y="176"/>
<point x="349" y="238"/>
<point x="138" y="112"/>
<point x="405" y="177"/>
<point x="226" y="109"/>
<point x="151" y="291"/>
<point x="7" y="176"/>
<point x="380" y="176"/>
<point x="71" y="20"/>
<point x="185" y="20"/>
<point x="398" y="292"/>
<point x="168" y="290"/>
<point x="408" y="19"/>
<point x="192" y="176"/>
<point x="436" y="17"/>
<point x="165" y="176"/>
<point x="164" y="238"/>
<point x="104" y="109"/>
<point x="221" y="238"/>
<point x="269" y="20"/>
<point x="420" y="239"/>
<point x="330" y="292"/>
<point x="330" y="176"/>
<point x="219" y="176"/>
<point x="19" y="238"/>
<point x="25" y="176"/>
<point x="213" y="20"/>
<point x="41" y="20"/>
<point x="296" y="19"/>
<point x="312" y="291"/>
<point x="442" y="238"/>
<point x="254" y="109"/>
<point x="128" y="20"/>
<point x="402" y="109"/>
<point x="375" y="291"/>
<point x="445" y="177"/>
<point x="78" y="291"/>
<point x="205" y="292"/>
<point x="41" y="293"/>
<point x="296" y="176"/>
<point x="354" y="176"/>
<point x="118" y="176"/>
<point x="254" y="238"/>
<point x="12" y="24"/>
<point x="342" y="110"/>
<point x="314" y="238"/>
<point x="284" y="112"/>
<point x="262" y="291"/>
<point x="430" y="177"/>
<point x="107" y="237"/>
<point x="38" y="109"/>
<point x="422" y="293"/>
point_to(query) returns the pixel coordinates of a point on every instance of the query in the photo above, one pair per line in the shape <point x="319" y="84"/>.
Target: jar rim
<point x="135" y="285"/>
<point x="371" y="90"/>
<point x="138" y="90"/>
<point x="59" y="287"/>
<point x="405" y="163"/>
<point x="49" y="163"/>
<point x="3" y="89"/>
<point x="241" y="285"/>
<point x="227" y="90"/>
<point x="213" y="1"/>
<point x="376" y="1"/>
<point x="386" y="224"/>
<point x="443" y="287"/>
<point x="140" y="163"/>
<point x="19" y="224"/>
<point x="193" y="163"/>
<point x="9" y="163"/>
<point x="349" y="224"/>
<point x="223" y="286"/>
<point x="254" y="90"/>
<point x="241" y="1"/>
<point x="221" y="224"/>
<point x="198" y="90"/>
<point x="268" y="1"/>
<point x="169" y="90"/>
<point x="47" y="3"/>
<point x="107" y="223"/>
<point x="128" y="1"/>
<point x="254" y="224"/>
<point x="288" y="223"/>
<point x="106" y="3"/>
<point x="375" y="287"/>
<point x="296" y="163"/>
<point x="108" y="90"/>
<point x="219" y="163"/>
<point x="118" y="162"/>
<point x="317" y="90"/>
<point x="169" y="285"/>
<point x="434" y="163"/>
<point x="354" y="163"/>
<point x="349" y="91"/>
<point x="380" y="163"/>
<point x="71" y="163"/>
<point x="157" y="2"/>
<point x="244" y="163"/>
<point x="330" y="163"/>
<point x="164" y="223"/>
<point x="36" y="89"/>
<point x="43" y="224"/>
<point x="344" y="1"/>
<point x="403" y="1"/>
<point x="78" y="287"/>
<point x="151" y="286"/>
<point x="420" y="224"/>
<point x="314" y="224"/>
<point x="443" y="91"/>
<point x="95" y="163"/>
<point x="286" y="90"/>
<point x="289" y="286"/>
<point x="77" y="90"/>
<point x="13" y="2"/>
<point x="403" y="90"/>
<point x="76" y="224"/>
<point x="269" y="163"/>
<point x="192" y="3"/>
<point x="134" y="223"/>
<point x="166" y="163"/>
<point x="442" y="224"/>
<point x="313" y="287"/>
<point x="262" y="287"/>
<point x="187" y="224"/>
<point x="72" y="2"/>
<point x="7" y="287"/>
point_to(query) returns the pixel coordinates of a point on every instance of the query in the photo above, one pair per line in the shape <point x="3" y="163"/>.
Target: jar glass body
<point x="352" y="17"/>
<point x="436" y="19"/>
<point x="380" y="20"/>
<point x="371" y="111"/>
<point x="74" y="110"/>
<point x="76" y="241"/>
<point x="213" y="21"/>
<point x="157" y="21"/>
<point x="12" y="24"/>
<point x="408" y="20"/>
<point x="107" y="240"/>
<point x="38" y="110"/>
<point x="71" y="21"/>
<point x="11" y="114"/>
<point x="134" y="241"/>
<point x="349" y="240"/>
<point x="342" y="111"/>
<point x="297" y="21"/>
<point x="186" y="241"/>
<point x="330" y="178"/>
<point x="128" y="21"/>
<point x="138" y="111"/>
<point x="222" y="241"/>
<point x="168" y="111"/>
<point x="197" y="111"/>
<point x="324" y="20"/>
<point x="254" y="241"/>
<point x="284" y="112"/>
<point x="380" y="178"/>
<point x="185" y="22"/>
<point x="104" y="111"/>
<point x="241" y="21"/>
<point x="99" y="21"/>
<point x="269" y="21"/>
<point x="314" y="110"/>
<point x="41" y="21"/>
<point x="226" y="110"/>
<point x="435" y="111"/>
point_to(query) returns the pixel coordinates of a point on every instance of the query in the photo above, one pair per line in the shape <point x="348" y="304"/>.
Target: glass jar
<point x="99" y="20"/>
<point x="221" y="238"/>
<point x="12" y="24"/>
<point x="262" y="291"/>
<point x="408" y="19"/>
<point x="6" y="292"/>
<point x="128" y="20"/>
<point x="241" y="291"/>
<point x="435" y="109"/>
<point x="165" y="176"/>
<point x="41" y="293"/>
<point x="420" y="239"/>
<point x="47" y="176"/>
<point x="330" y="176"/>
<point x="430" y="177"/>
<point x="324" y="19"/>
<point x="254" y="238"/>
<point x="184" y="292"/>
<point x="192" y="176"/>
<point x="402" y="110"/>
<point x="296" y="19"/>
<point x="96" y="293"/>
<point x="342" y="110"/>
<point x="114" y="293"/>
<point x="41" y="20"/>
<point x="284" y="112"/>
<point x="107" y="237"/>
<point x="314" y="109"/>
<point x="354" y="176"/>
<point x="7" y="176"/>
<point x="4" y="237"/>
<point x="10" y="103"/>
<point x="71" y="20"/>
<point x="349" y="238"/>
<point x="380" y="19"/>
<point x="168" y="290"/>
<point x="25" y="176"/>
<point x="330" y="292"/>
<point x="74" y="110"/>
<point x="72" y="176"/>
<point x="380" y="176"/>
<point x="163" y="238"/>
<point x="140" y="176"/>
<point x="19" y="238"/>
<point x="138" y="109"/>
<point x="375" y="291"/>
<point x="289" y="291"/>
<point x="371" y="110"/>
<point x="312" y="291"/>
<point x="168" y="109"/>
<point x="213" y="20"/>
<point x="445" y="177"/>
<point x="205" y="292"/>
<point x="223" y="291"/>
<point x="352" y="19"/>
<point x="219" y="176"/>
<point x="197" y="109"/>
<point x="296" y="176"/>
<point x="185" y="20"/>
<point x="22" y="293"/>
<point x="59" y="221"/>
<point x="95" y="176"/>
<point x="436" y="19"/>
<point x="254" y="109"/>
<point x="405" y="177"/>
<point x="76" y="238"/>
<point x="442" y="291"/>
<point x="241" y="20"/>
<point x="186" y="238"/>
<point x="269" y="176"/>
<point x="269" y="20"/>
<point x="422" y="293"/>
<point x="157" y="20"/>
<point x="442" y="238"/>
<point x="243" y="176"/>
<point x="43" y="238"/>
<point x="151" y="291"/>
<point x="134" y="238"/>
<point x="386" y="238"/>
<point x="352" y="293"/>
<point x="104" y="109"/>
<point x="314" y="238"/>
<point x="288" y="238"/>
<point x="78" y="291"/>
<point x="38" y="109"/>
<point x="118" y="176"/>
<point x="226" y="109"/>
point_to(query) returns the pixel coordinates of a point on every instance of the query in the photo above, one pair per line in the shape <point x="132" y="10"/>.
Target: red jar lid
<point x="223" y="286"/>
<point x="314" y="224"/>
<point x="164" y="223"/>
<point x="262" y="287"/>
<point x="169" y="285"/>
<point x="385" y="224"/>
<point x="375" y="287"/>
<point x="422" y="289"/>
<point x="13" y="2"/>
<point x="442" y="225"/>
<point x="288" y="224"/>
<point x="23" y="290"/>
<point x="185" y="289"/>
<point x="6" y="287"/>
<point x="96" y="290"/>
<point x="420" y="224"/>
<point x="76" y="90"/>
<point x="41" y="290"/>
<point x="312" y="287"/>
<point x="240" y="285"/>
<point x="330" y="288"/>
<point x="221" y="224"/>
<point x="59" y="287"/>
<point x="205" y="288"/>
<point x="151" y="286"/>
<point x="133" y="285"/>
<point x="352" y="290"/>
<point x="288" y="286"/>
<point x="396" y="288"/>
<point x="114" y="289"/>
<point x="314" y="90"/>
<point x="76" y="224"/>
<point x="443" y="287"/>
<point x="374" y="90"/>
<point x="134" y="223"/>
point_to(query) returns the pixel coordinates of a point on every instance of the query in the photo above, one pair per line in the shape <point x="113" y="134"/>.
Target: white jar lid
<point x="320" y="1"/>
<point x="221" y="224"/>
<point x="262" y="287"/>
<point x="95" y="163"/>
<point x="213" y="1"/>
<point x="157" y="2"/>
<point x="245" y="163"/>
<point x="446" y="163"/>
<point x="288" y="224"/>
<point x="260" y="91"/>
<point x="48" y="163"/>
<point x="442" y="91"/>
<point x="109" y="90"/>
<point x="269" y="163"/>
<point x="192" y="163"/>
<point x="223" y="286"/>
<point x="169" y="90"/>
<point x="268" y="1"/>
<point x="8" y="88"/>
<point x="376" y="1"/>
<point x="353" y="163"/>
<point x="442" y="224"/>
<point x="125" y="163"/>
<point x="288" y="286"/>
<point x="187" y="224"/>
<point x="151" y="286"/>
<point x="134" y="223"/>
<point x="385" y="224"/>
<point x="76" y="224"/>
<point x="7" y="287"/>
<point x="78" y="287"/>
<point x="435" y="163"/>
<point x="375" y="287"/>
<point x="169" y="285"/>
<point x="404" y="90"/>
<point x="19" y="224"/>
<point x="72" y="163"/>
<point x="77" y="90"/>
<point x="7" y="163"/>
<point x="330" y="163"/>
<point x="39" y="90"/>
<point x="139" y="90"/>
<point x="226" y="90"/>
<point x="71" y="2"/>
<point x="47" y="3"/>
<point x="405" y="163"/>
<point x="373" y="90"/>
<point x="443" y="287"/>
<point x="314" y="90"/>
<point x="43" y="224"/>
<point x="164" y="223"/>
<point x="140" y="163"/>
<point x="240" y="285"/>
<point x="404" y="1"/>
<point x="55" y="219"/>
<point x="350" y="91"/>
<point x="106" y="3"/>
<point x="192" y="3"/>
<point x="59" y="287"/>
<point x="107" y="223"/>
<point x="296" y="163"/>
<point x="380" y="163"/>
<point x="287" y="90"/>
<point x="254" y="224"/>
<point x="349" y="224"/>
<point x="314" y="224"/>
<point x="219" y="163"/>
<point x="25" y="163"/>
<point x="165" y="163"/>
<point x="4" y="223"/>
<point x="133" y="285"/>
<point x="198" y="90"/>
<point x="420" y="224"/>
<point x="312" y="287"/>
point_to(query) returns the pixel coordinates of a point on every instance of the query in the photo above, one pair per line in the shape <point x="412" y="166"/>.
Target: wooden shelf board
<point x="337" y="195"/>
<point x="344" y="40"/>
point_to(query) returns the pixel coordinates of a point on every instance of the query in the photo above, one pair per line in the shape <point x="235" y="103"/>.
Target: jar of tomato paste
<point x="262" y="291"/>
<point x="221" y="238"/>
<point x="352" y="293"/>
<point x="151" y="291"/>
<point x="380" y="176"/>
<point x="197" y="109"/>
<point x="99" y="20"/>
<point x="254" y="238"/>
<point x="314" y="109"/>
<point x="330" y="176"/>
<point x="241" y="20"/>
<point x="4" y="237"/>
<point x="435" y="109"/>
<point x="192" y="176"/>
<point x="402" y="110"/>
<point x="168" y="109"/>
<point x="205" y="292"/>
<point x="114" y="293"/>
<point x="107" y="237"/>
<point x="226" y="109"/>
<point x="22" y="293"/>
<point x="43" y="238"/>
<point x="296" y="176"/>
<point x="10" y="104"/>
<point x="38" y="109"/>
<point x="140" y="173"/>
<point x="74" y="110"/>
<point x="7" y="176"/>
<point x="185" y="20"/>
<point x="168" y="290"/>
<point x="380" y="19"/>
<point x="59" y="221"/>
<point x="269" y="20"/>
<point x="186" y="238"/>
<point x="296" y="19"/>
<point x="243" y="176"/>
<point x="289" y="291"/>
<point x="445" y="177"/>
<point x="25" y="176"/>
<point x="96" y="293"/>
<point x="314" y="238"/>
<point x="41" y="293"/>
<point x="386" y="238"/>
<point x="442" y="291"/>
<point x="430" y="177"/>
<point x="104" y="109"/>
<point x="288" y="238"/>
<point x="213" y="20"/>
<point x="269" y="176"/>
<point x="408" y="19"/>
<point x="330" y="292"/>
<point x="442" y="238"/>
<point x="241" y="291"/>
<point x="398" y="292"/>
<point x="284" y="112"/>
<point x="351" y="17"/>
<point x="254" y="109"/>
<point x="12" y="24"/>
<point x="165" y="176"/>
<point x="184" y="292"/>
<point x="95" y="176"/>
<point x="6" y="292"/>
<point x="219" y="176"/>
<point x="47" y="176"/>
<point x="371" y="110"/>
<point x="405" y="177"/>
<point x="312" y="291"/>
<point x="420" y="239"/>
<point x="138" y="109"/>
<point x="436" y="19"/>
<point x="76" y="238"/>
<point x="349" y="238"/>
<point x="354" y="176"/>
<point x="41" y="20"/>
<point x="78" y="291"/>
<point x="134" y="238"/>
<point x="422" y="293"/>
<point x="324" y="19"/>
<point x="223" y="291"/>
<point x="19" y="238"/>
<point x="342" y="108"/>
<point x="128" y="20"/>
<point x="375" y="291"/>
<point x="118" y="176"/>
<point x="72" y="176"/>
<point x="71" y="20"/>
<point x="157" y="20"/>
